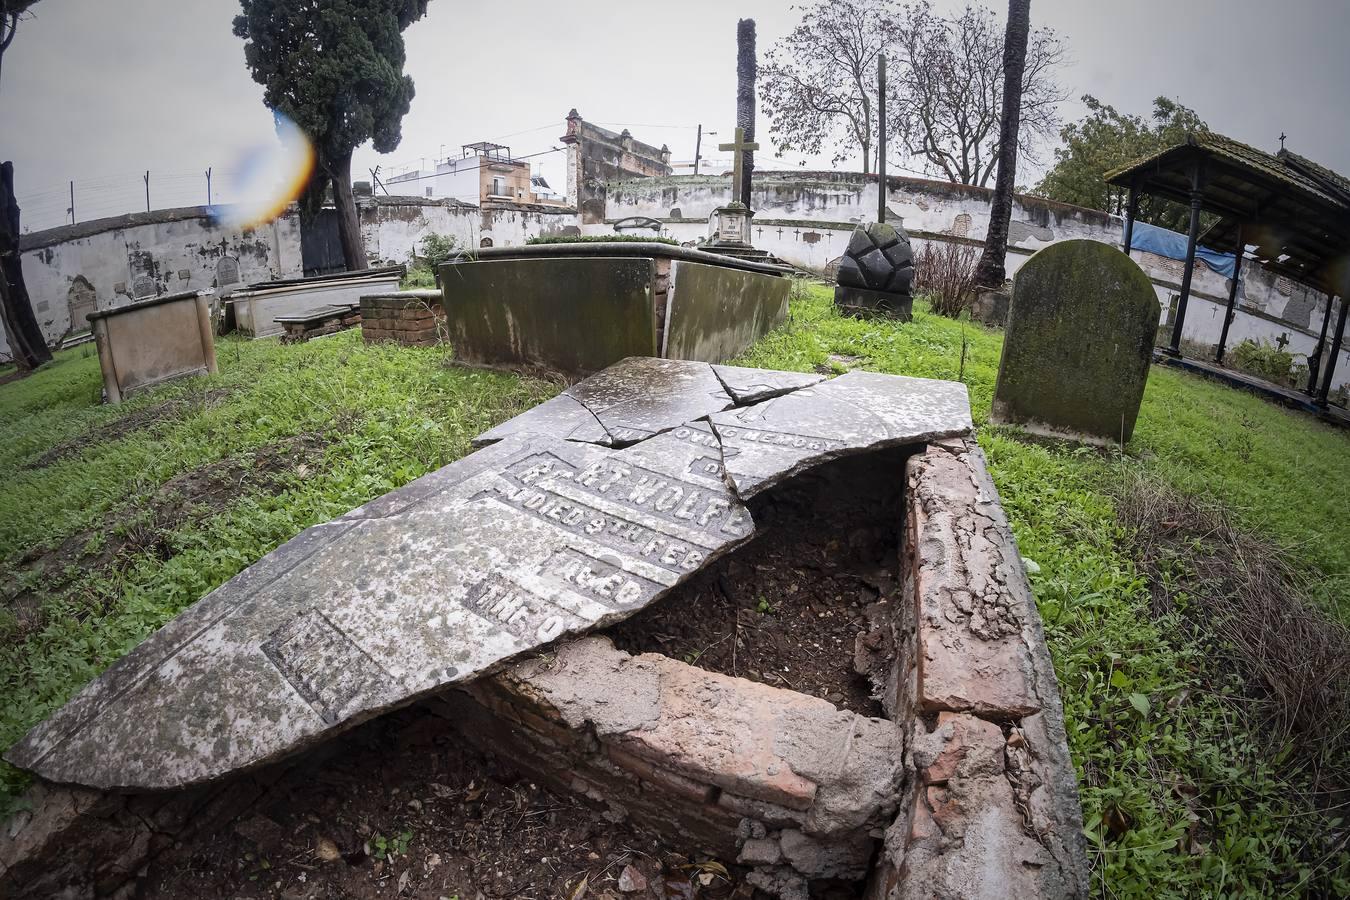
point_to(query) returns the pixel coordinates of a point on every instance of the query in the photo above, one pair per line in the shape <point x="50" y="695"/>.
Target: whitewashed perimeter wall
<point x="175" y="249"/>
<point x="807" y="218"/>
<point x="392" y="228"/>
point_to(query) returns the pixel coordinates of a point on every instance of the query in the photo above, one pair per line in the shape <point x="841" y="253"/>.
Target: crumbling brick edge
<point x="967" y="787"/>
<point x="992" y="807"/>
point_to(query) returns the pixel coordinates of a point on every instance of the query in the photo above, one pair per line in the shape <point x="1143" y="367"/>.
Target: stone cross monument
<point x="731" y="223"/>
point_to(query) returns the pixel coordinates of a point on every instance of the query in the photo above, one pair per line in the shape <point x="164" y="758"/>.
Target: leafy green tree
<point x="334" y="68"/>
<point x="1106" y="139"/>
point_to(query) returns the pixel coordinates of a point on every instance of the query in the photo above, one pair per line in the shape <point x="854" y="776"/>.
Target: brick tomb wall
<point x="411" y="318"/>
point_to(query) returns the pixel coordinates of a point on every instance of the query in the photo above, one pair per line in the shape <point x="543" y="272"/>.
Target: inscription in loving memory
<point x="779" y="438"/>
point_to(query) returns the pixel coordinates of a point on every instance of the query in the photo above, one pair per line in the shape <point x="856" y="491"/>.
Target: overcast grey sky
<point x="100" y="90"/>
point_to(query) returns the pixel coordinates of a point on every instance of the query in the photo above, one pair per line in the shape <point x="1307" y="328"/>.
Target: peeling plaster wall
<point x="392" y="228"/>
<point x="159" y="252"/>
<point x="807" y="218"/>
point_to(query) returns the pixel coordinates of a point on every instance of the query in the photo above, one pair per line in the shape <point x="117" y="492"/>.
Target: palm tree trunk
<point x="746" y="69"/>
<point x="990" y="271"/>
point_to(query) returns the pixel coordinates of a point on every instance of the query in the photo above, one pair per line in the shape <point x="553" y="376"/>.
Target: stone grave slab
<point x="859" y="411"/>
<point x="508" y="549"/>
<point x="541" y="535"/>
<point x="1078" y="344"/>
<point x="715" y="312"/>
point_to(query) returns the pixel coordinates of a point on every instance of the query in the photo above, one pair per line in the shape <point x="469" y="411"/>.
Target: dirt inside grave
<point x="788" y="608"/>
<point x="404" y="807"/>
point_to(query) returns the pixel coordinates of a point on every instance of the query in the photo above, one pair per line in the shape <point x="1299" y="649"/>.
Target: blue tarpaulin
<point x="1173" y="245"/>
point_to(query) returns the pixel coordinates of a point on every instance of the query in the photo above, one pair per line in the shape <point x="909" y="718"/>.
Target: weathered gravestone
<point x="876" y="272"/>
<point x="1078" y="344"/>
<point x="579" y="513"/>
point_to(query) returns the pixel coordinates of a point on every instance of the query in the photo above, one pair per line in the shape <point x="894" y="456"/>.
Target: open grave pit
<point x="879" y="549"/>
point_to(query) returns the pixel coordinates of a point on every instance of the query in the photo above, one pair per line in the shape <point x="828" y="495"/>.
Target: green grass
<point x="1179" y="798"/>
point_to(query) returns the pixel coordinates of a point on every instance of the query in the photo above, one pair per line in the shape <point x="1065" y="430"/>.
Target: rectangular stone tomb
<point x="578" y="308"/>
<point x="153" y="340"/>
<point x="256" y="310"/>
<point x="472" y="565"/>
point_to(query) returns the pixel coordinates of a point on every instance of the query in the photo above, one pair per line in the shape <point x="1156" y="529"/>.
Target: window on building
<point x="428" y="192"/>
<point x="499" y="186"/>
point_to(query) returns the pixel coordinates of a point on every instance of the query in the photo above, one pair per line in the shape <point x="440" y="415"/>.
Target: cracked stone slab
<point x="563" y="417"/>
<point x="770" y="441"/>
<point x="630" y="401"/>
<point x="511" y="548"/>
<point x="753" y="385"/>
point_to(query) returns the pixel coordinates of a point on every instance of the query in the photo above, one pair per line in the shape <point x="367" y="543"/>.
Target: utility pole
<point x="72" y="203"/>
<point x="881" y="139"/>
<point x="698" y="145"/>
<point x="375" y="182"/>
<point x="147" y="190"/>
<point x="208" y="185"/>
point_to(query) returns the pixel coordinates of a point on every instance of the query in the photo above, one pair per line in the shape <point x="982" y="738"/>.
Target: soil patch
<point x="139" y="527"/>
<point x="788" y="608"/>
<point x="404" y="807"/>
<point x="128" y="424"/>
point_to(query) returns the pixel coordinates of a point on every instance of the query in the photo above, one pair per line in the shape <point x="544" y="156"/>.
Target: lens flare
<point x="265" y="178"/>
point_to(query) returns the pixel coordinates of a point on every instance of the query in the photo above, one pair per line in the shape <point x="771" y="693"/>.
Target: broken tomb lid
<point x="539" y="536"/>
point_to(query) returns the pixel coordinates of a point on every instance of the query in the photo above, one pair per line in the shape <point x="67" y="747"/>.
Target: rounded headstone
<point x="1078" y="344"/>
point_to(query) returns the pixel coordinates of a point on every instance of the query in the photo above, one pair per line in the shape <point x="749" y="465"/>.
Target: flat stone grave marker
<point x="550" y="531"/>
<point x="1078" y="344"/>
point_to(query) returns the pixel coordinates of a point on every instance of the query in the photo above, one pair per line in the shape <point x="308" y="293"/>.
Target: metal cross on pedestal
<point x="738" y="149"/>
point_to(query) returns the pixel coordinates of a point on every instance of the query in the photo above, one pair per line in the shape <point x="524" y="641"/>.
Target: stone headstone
<point x="227" y="271"/>
<point x="547" y="532"/>
<point x="144" y="286"/>
<point x="1078" y="344"/>
<point x="876" y="272"/>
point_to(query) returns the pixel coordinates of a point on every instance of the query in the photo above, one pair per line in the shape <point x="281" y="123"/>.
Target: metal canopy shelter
<point x="1294" y="213"/>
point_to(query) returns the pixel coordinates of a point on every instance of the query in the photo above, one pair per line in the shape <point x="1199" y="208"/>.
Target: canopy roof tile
<point x="1294" y="211"/>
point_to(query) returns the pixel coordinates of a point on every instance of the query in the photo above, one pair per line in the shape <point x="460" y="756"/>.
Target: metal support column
<point x="881" y="139"/>
<point x="1232" y="296"/>
<point x="1131" y="210"/>
<point x="1335" y="354"/>
<point x="1192" y="238"/>
<point x="1315" y="361"/>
